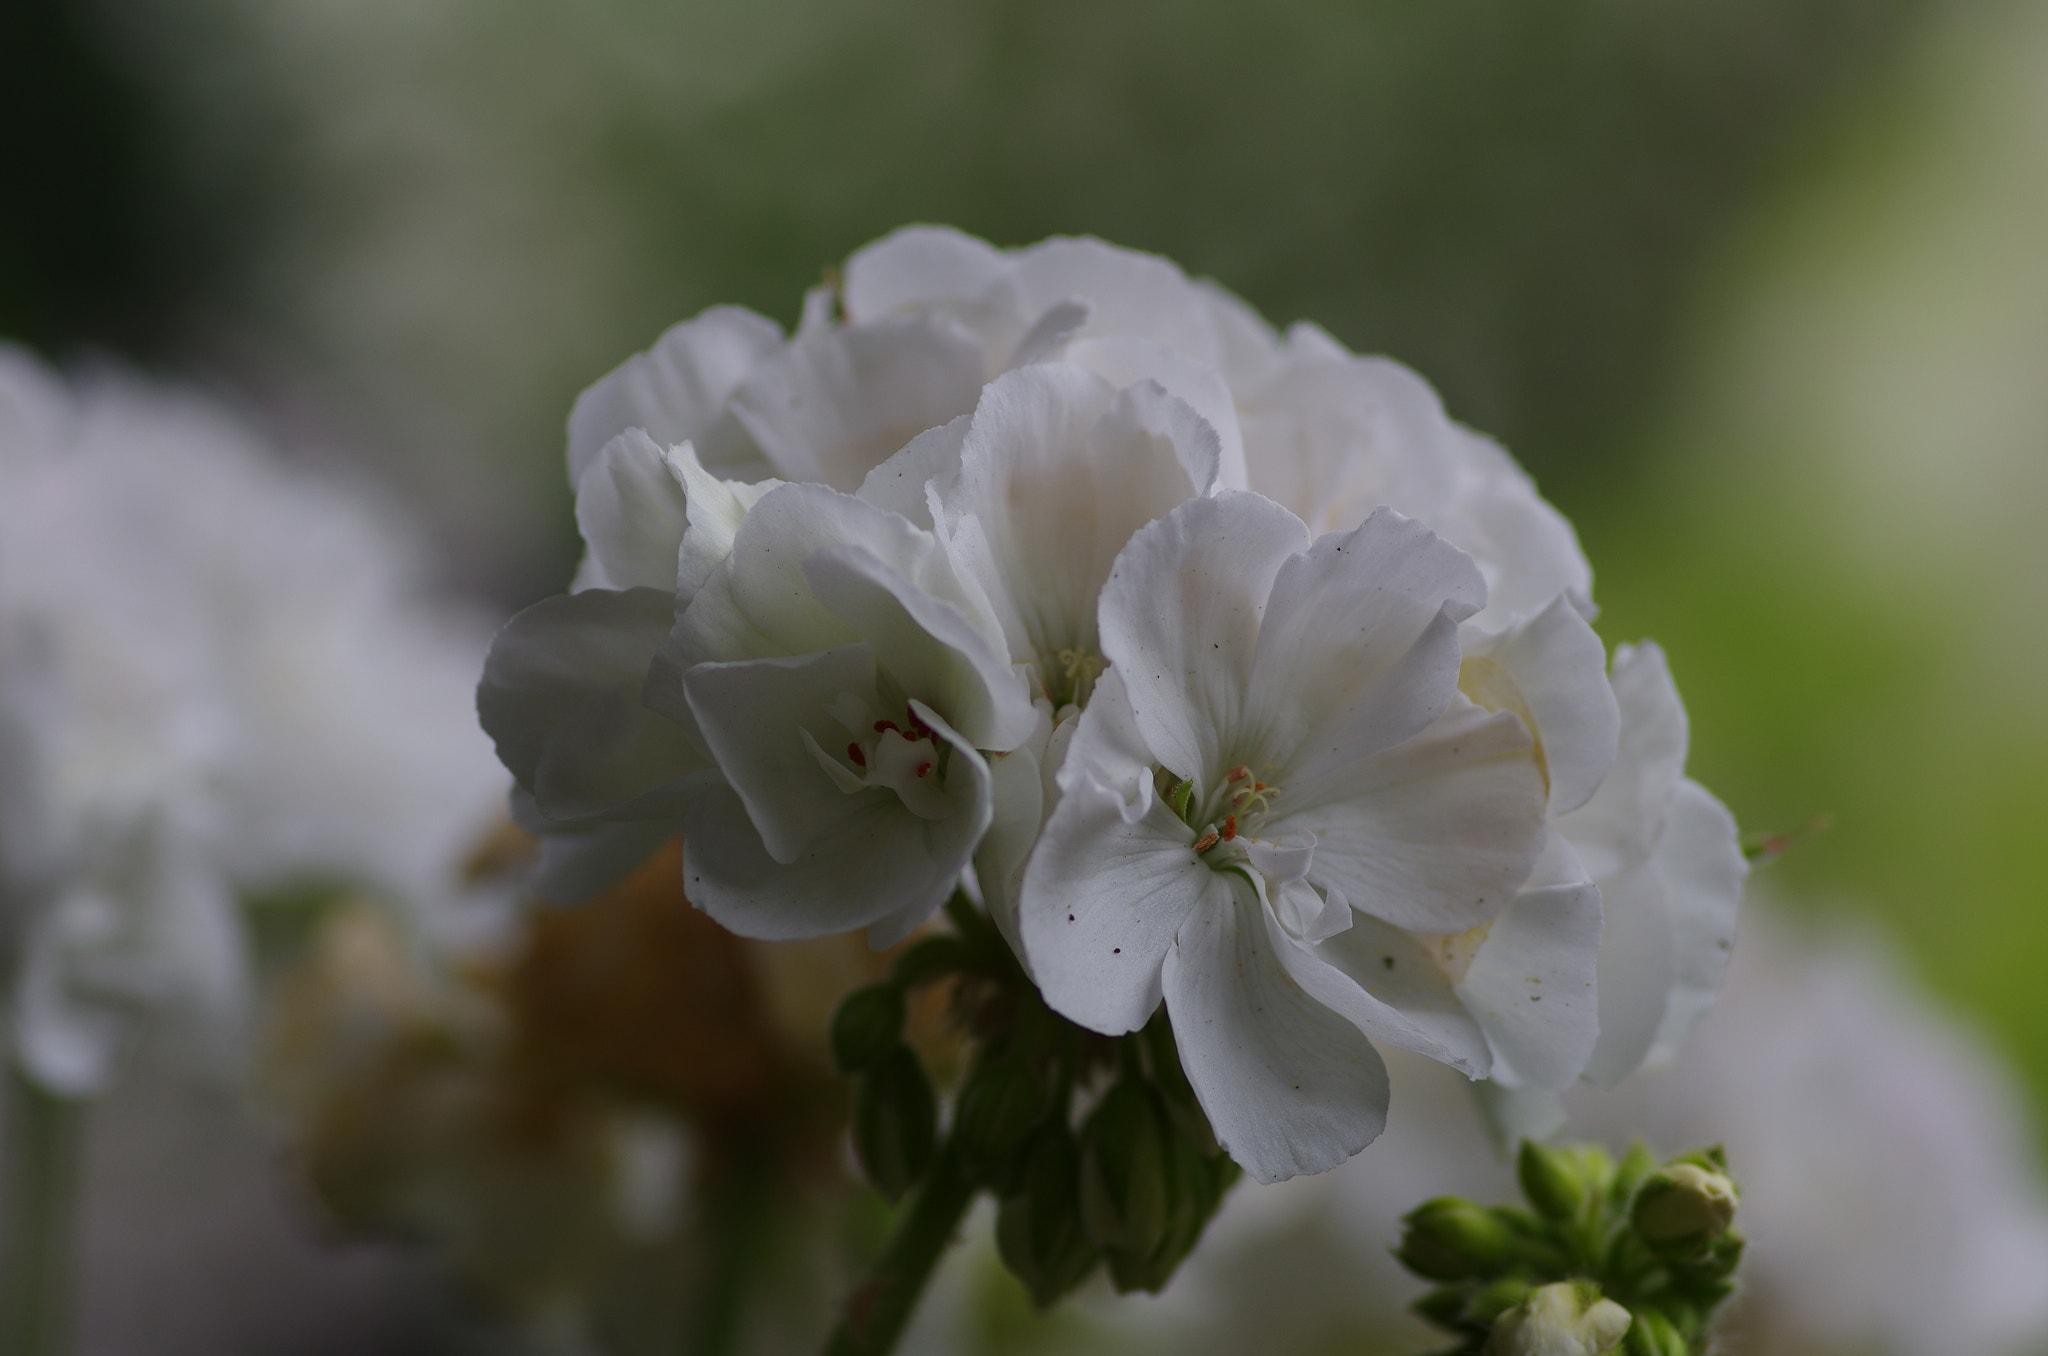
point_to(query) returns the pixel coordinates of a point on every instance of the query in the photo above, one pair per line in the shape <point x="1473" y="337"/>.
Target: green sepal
<point x="895" y="1123"/>
<point x="867" y="1026"/>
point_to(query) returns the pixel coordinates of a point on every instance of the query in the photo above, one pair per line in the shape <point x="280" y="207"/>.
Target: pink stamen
<point x="1229" y="826"/>
<point x="924" y="769"/>
<point x="1206" y="841"/>
<point x="853" y="751"/>
<point x="882" y="725"/>
<point x="1238" y="774"/>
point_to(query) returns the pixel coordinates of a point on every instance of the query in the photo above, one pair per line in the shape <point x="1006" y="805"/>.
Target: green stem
<point x="881" y="1307"/>
<point x="736" y="1213"/>
<point x="38" y="1186"/>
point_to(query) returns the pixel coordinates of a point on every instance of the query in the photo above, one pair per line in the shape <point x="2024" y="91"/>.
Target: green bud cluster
<point x="1630" y="1257"/>
<point x="1128" y="1183"/>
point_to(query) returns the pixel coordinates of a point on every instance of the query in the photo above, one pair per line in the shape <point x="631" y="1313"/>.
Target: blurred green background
<point x="1758" y="289"/>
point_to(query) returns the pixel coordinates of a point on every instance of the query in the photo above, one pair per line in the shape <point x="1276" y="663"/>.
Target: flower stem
<point x="38" y="1181"/>
<point x="880" y="1308"/>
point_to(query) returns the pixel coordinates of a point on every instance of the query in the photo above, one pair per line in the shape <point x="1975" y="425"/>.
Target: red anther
<point x="882" y="725"/>
<point x="922" y="730"/>
<point x="853" y="751"/>
<point x="923" y="770"/>
<point x="1206" y="841"/>
<point x="1229" y="826"/>
<point x="1237" y="774"/>
<point x="1258" y="786"/>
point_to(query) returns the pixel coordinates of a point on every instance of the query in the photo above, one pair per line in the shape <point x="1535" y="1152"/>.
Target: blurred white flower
<point x="215" y="679"/>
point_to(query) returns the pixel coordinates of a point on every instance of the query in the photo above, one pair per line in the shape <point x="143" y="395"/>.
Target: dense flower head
<point x="1218" y="665"/>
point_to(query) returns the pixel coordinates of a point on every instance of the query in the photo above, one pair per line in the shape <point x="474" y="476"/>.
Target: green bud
<point x="1002" y="1100"/>
<point x="895" y="1122"/>
<point x="1681" y="1209"/>
<point x="1444" y="1306"/>
<point x="867" y="1027"/>
<point x="1127" y="1171"/>
<point x="1652" y="1334"/>
<point x="1200" y="1180"/>
<point x="1038" y="1229"/>
<point x="1553" y="1180"/>
<point x="1449" y="1239"/>
<point x="1494" y="1300"/>
<point x="1635" y="1165"/>
<point x="1568" y="1318"/>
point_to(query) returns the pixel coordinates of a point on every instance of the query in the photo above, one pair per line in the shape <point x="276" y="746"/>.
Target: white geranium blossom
<point x="215" y="678"/>
<point x="1217" y="664"/>
<point x="1280" y="815"/>
<point x="845" y="677"/>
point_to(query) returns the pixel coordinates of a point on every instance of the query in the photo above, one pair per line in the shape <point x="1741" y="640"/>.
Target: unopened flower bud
<point x="1127" y="1177"/>
<point x="1002" y="1100"/>
<point x="1568" y="1318"/>
<point x="866" y="1027"/>
<point x="1652" y="1334"/>
<point x="1681" y="1209"/>
<point x="1038" y="1230"/>
<point x="1449" y="1239"/>
<point x="1553" y="1180"/>
<point x="895" y="1122"/>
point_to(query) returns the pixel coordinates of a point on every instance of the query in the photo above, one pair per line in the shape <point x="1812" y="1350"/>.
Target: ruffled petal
<point x="1552" y="672"/>
<point x="560" y="697"/>
<point x="1289" y="1086"/>
<point x="1435" y="834"/>
<point x="1180" y="619"/>
<point x="1111" y="881"/>
<point x="1531" y="983"/>
<point x="677" y="391"/>
<point x="1358" y="649"/>
<point x="1384" y="981"/>
<point x="1699" y="859"/>
<point x="834" y="405"/>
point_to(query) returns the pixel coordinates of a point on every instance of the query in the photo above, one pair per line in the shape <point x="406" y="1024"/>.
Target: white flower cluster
<point x="1219" y="664"/>
<point x="215" y="679"/>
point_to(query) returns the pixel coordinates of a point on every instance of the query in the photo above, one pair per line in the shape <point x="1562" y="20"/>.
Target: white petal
<point x="1435" y="834"/>
<point x="1552" y="672"/>
<point x="917" y="266"/>
<point x="1133" y="294"/>
<point x="1700" y="861"/>
<point x="1018" y="813"/>
<point x="1358" y="649"/>
<point x="560" y="697"/>
<point x="677" y="391"/>
<point x="1059" y="470"/>
<point x="1126" y="362"/>
<point x="1526" y="548"/>
<point x="1617" y="828"/>
<point x="631" y="511"/>
<point x="581" y="862"/>
<point x="1531" y="985"/>
<point x="1384" y="981"/>
<point x="834" y="405"/>
<point x="1180" y="619"/>
<point x="1635" y="972"/>
<point x="932" y="650"/>
<point x="714" y="508"/>
<point x="754" y="715"/>
<point x="1515" y="1114"/>
<point x="1289" y="1086"/>
<point x="1047" y="338"/>
<point x="871" y="866"/>
<point x="1111" y="881"/>
<point x="902" y="483"/>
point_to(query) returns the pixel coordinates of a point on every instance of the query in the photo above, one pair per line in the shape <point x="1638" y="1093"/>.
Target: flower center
<point x="1070" y="676"/>
<point x="1237" y="810"/>
<point x="903" y="756"/>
